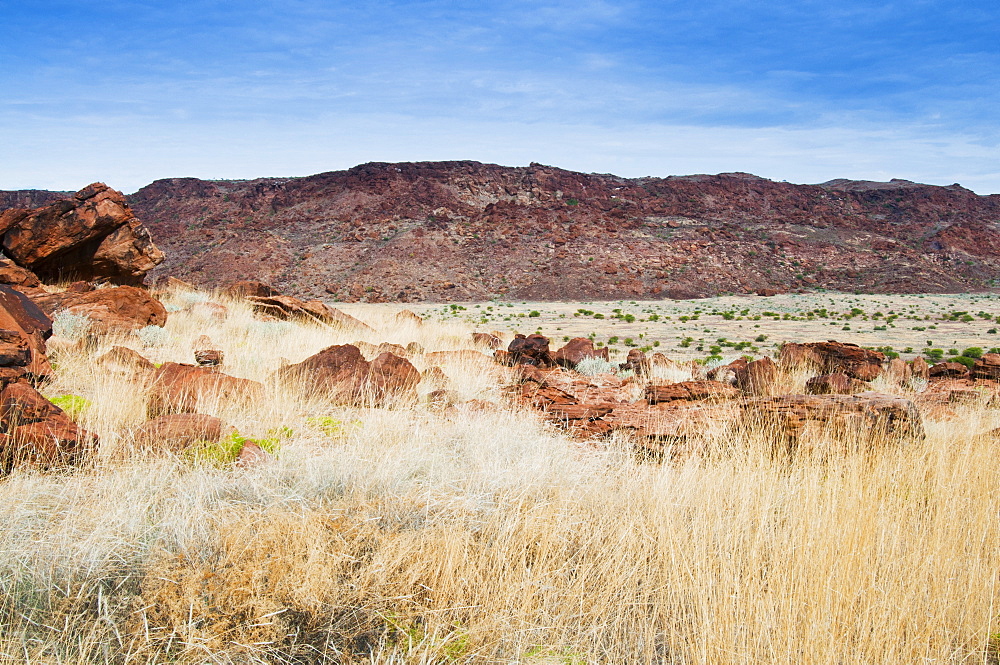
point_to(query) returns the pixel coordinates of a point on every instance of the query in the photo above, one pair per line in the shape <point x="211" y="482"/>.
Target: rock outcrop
<point x="342" y="374"/>
<point x="91" y="236"/>
<point x="120" y="308"/>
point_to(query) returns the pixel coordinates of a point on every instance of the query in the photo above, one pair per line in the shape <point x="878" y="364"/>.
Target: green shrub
<point x="73" y="405"/>
<point x="973" y="352"/>
<point x="534" y="313"/>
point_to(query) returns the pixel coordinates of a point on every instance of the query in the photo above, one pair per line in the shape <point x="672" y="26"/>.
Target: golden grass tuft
<point x="412" y="535"/>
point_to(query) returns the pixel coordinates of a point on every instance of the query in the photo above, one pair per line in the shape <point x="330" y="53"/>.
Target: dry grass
<point x="408" y="535"/>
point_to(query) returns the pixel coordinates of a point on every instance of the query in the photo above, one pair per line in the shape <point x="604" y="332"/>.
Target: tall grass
<point x="417" y="535"/>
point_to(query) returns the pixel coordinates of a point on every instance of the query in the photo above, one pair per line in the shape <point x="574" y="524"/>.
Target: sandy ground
<point x="924" y="321"/>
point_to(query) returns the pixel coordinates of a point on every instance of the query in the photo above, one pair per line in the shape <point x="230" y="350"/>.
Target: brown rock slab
<point x="690" y="391"/>
<point x="834" y="384"/>
<point x="949" y="370"/>
<point x="179" y="388"/>
<point x="176" y="431"/>
<point x="570" y="355"/>
<point x="125" y="360"/>
<point x="249" y="288"/>
<point x="121" y="308"/>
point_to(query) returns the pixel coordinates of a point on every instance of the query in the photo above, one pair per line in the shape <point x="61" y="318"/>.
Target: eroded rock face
<point x="987" y="367"/>
<point x="91" y="236"/>
<point x="948" y="370"/>
<point x="341" y="374"/>
<point x="690" y="391"/>
<point x="121" y="308"/>
<point x="870" y="416"/>
<point x="832" y="357"/>
<point x="176" y="431"/>
<point x="834" y="384"/>
<point x="530" y="350"/>
<point x="287" y="307"/>
<point x="35" y="431"/>
<point x="25" y="325"/>
<point x="574" y="351"/>
<point x="180" y="388"/>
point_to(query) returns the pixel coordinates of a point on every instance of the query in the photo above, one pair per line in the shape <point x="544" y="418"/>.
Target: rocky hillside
<point x="469" y="231"/>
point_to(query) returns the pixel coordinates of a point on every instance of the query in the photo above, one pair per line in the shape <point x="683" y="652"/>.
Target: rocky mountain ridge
<point x="454" y="231"/>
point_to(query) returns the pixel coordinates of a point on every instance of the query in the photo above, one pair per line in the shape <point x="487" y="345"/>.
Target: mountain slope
<point x="465" y="230"/>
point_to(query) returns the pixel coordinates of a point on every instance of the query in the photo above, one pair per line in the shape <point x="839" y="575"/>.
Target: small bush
<point x="73" y="405"/>
<point x="593" y="366"/>
<point x="534" y="313"/>
<point x="71" y="326"/>
<point x="154" y="336"/>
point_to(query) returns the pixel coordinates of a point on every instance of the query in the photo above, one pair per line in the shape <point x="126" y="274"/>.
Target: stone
<point x="252" y="455"/>
<point x="530" y="350"/>
<point x="117" y="309"/>
<point x="831" y="357"/>
<point x="180" y="388"/>
<point x="690" y="391"/>
<point x="920" y="368"/>
<point x="289" y="308"/>
<point x="176" y="431"/>
<point x="570" y="355"/>
<point x="248" y="288"/>
<point x="487" y="340"/>
<point x="390" y="377"/>
<point x="19" y="314"/>
<point x="36" y="431"/>
<point x="406" y="316"/>
<point x="987" y="367"/>
<point x="834" y="384"/>
<point x="635" y="362"/>
<point x="124" y="360"/>
<point x="336" y="370"/>
<point x="898" y="371"/>
<point x="14" y="275"/>
<point x="873" y="417"/>
<point x="757" y="377"/>
<point x="434" y="377"/>
<point x="93" y="235"/>
<point x="948" y="370"/>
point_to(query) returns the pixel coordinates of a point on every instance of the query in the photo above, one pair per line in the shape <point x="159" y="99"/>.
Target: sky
<point x="126" y="92"/>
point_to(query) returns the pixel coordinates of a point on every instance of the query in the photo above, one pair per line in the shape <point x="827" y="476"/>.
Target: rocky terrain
<point x="458" y="231"/>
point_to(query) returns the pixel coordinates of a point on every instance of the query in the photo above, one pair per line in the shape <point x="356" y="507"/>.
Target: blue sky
<point x="127" y="92"/>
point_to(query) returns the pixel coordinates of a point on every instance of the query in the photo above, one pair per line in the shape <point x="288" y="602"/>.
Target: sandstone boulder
<point x="342" y="374"/>
<point x="247" y="288"/>
<point x="118" y="309"/>
<point x="123" y="360"/>
<point x="948" y="370"/>
<point x="92" y="235"/>
<point x="870" y="417"/>
<point x="180" y="388"/>
<point x="27" y="326"/>
<point x="572" y="352"/>
<point x="920" y="368"/>
<point x="757" y="377"/>
<point x="35" y="431"/>
<point x="530" y="350"/>
<point x="176" y="431"/>
<point x="987" y="367"/>
<point x="831" y="357"/>
<point x="488" y="340"/>
<point x="290" y="308"/>
<point x="834" y="384"/>
<point x="636" y="362"/>
<point x="690" y="391"/>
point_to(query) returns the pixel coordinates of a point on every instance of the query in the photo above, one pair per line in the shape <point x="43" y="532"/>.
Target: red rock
<point x="125" y="360"/>
<point x="176" y="431"/>
<point x="898" y="371"/>
<point x="838" y="383"/>
<point x="36" y="431"/>
<point x="409" y="317"/>
<point x="94" y="235"/>
<point x="435" y="377"/>
<point x="573" y="352"/>
<point x="14" y="275"/>
<point x="390" y="377"/>
<point x="337" y="370"/>
<point x="21" y="315"/>
<point x="987" y="367"/>
<point x="757" y="377"/>
<point x="122" y="308"/>
<point x="831" y="357"/>
<point x="179" y="388"/>
<point x="530" y="350"/>
<point x="920" y="368"/>
<point x="690" y="391"/>
<point x="881" y="417"/>
<point x="635" y="362"/>
<point x="252" y="455"/>
<point x="949" y="370"/>
<point x="243" y="289"/>
<point x="289" y="308"/>
<point x="487" y="340"/>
